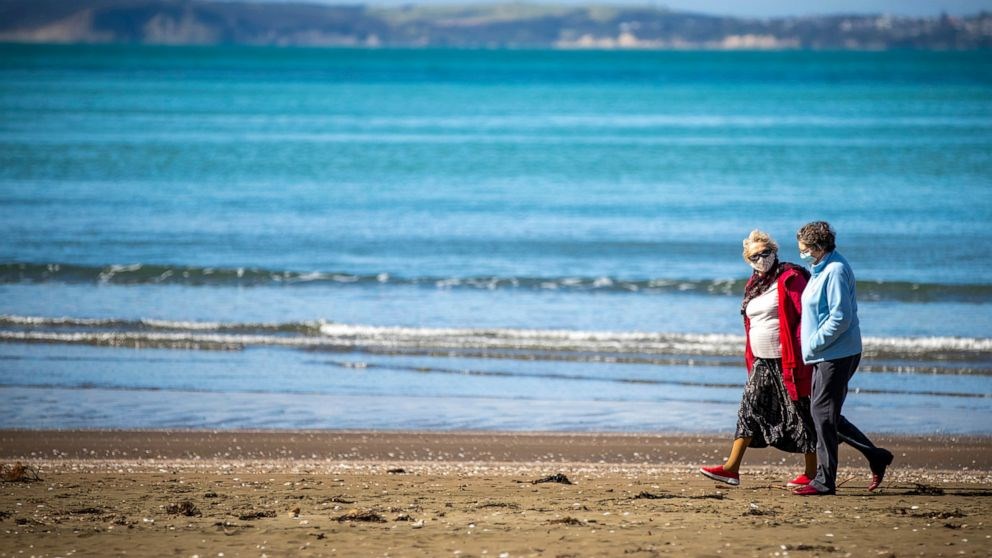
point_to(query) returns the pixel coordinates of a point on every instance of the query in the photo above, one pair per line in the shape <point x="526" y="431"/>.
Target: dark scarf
<point x="758" y="284"/>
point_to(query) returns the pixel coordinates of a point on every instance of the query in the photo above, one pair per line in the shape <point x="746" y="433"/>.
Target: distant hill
<point x="200" y="22"/>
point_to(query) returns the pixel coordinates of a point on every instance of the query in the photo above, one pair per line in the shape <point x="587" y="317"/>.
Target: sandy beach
<point x="160" y="493"/>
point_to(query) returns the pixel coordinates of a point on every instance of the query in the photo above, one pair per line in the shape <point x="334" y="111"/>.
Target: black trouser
<point x="830" y="380"/>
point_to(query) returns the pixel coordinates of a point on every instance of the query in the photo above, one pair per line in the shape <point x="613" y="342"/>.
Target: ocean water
<point x="234" y="237"/>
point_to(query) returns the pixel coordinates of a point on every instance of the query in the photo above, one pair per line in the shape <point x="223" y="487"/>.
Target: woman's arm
<point x="840" y="310"/>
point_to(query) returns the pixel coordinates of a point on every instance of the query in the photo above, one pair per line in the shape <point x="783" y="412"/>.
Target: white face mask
<point x="763" y="264"/>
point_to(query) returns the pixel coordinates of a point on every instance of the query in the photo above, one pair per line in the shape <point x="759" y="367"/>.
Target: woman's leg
<point x="728" y="472"/>
<point x="733" y="463"/>
<point x="829" y="391"/>
<point x="747" y="427"/>
<point x="809" y="461"/>
<point x="878" y="458"/>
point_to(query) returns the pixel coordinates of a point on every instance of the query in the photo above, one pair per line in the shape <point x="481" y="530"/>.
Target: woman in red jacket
<point x="774" y="409"/>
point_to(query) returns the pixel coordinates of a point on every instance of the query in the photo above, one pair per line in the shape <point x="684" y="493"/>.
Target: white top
<point x="762" y="310"/>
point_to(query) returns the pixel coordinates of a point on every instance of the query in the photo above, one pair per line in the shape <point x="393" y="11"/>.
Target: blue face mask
<point x="806" y="257"/>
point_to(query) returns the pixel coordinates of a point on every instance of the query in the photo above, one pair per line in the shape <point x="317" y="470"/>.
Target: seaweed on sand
<point x="18" y="473"/>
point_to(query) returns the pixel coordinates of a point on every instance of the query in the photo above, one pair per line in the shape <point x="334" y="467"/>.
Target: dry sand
<point x="468" y="494"/>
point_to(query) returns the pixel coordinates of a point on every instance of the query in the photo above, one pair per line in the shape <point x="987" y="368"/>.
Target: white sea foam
<point x="204" y="334"/>
<point x="109" y="273"/>
<point x="168" y="324"/>
<point x="42" y="320"/>
<point x="929" y="344"/>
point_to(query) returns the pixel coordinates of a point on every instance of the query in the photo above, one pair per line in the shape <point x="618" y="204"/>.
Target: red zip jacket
<point x="797" y="376"/>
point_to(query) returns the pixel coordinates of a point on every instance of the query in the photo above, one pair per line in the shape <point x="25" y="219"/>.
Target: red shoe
<point x="878" y="469"/>
<point x="801" y="480"/>
<point x="809" y="491"/>
<point x="719" y="474"/>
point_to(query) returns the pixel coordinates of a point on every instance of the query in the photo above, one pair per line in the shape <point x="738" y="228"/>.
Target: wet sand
<point x="472" y="494"/>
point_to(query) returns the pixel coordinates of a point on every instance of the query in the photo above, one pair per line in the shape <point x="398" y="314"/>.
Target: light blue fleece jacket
<point x="829" y="329"/>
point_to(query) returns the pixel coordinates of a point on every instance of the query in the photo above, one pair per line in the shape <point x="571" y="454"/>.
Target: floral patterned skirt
<point x="769" y="417"/>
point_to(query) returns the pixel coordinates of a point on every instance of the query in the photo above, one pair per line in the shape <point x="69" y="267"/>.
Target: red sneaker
<point x="801" y="480"/>
<point x="878" y="468"/>
<point x="809" y="491"/>
<point x="719" y="474"/>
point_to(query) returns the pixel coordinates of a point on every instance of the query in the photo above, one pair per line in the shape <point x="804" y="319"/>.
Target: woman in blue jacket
<point x="831" y="342"/>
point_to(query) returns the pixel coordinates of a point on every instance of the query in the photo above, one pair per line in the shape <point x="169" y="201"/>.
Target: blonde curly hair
<point x="758" y="237"/>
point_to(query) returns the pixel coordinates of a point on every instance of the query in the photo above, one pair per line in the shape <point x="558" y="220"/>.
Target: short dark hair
<point x="818" y="234"/>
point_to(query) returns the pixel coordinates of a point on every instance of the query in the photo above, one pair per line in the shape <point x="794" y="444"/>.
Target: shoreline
<point x="934" y="452"/>
<point x="481" y="494"/>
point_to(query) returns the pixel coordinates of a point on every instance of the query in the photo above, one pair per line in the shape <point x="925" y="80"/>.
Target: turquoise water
<point x="524" y="240"/>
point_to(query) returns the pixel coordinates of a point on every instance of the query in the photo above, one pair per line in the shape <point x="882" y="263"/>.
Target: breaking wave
<point x="956" y="355"/>
<point x="153" y="274"/>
